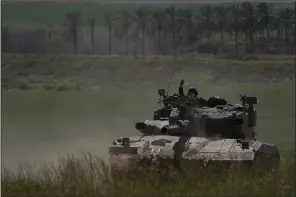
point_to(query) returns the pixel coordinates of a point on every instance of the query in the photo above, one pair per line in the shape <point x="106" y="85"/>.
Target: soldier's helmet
<point x="192" y="91"/>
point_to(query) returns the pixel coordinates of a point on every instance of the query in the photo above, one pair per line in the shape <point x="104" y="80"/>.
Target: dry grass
<point x="89" y="176"/>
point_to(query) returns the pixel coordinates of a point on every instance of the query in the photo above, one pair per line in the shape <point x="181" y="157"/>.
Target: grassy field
<point x="68" y="104"/>
<point x="68" y="72"/>
<point x="41" y="13"/>
<point x="89" y="176"/>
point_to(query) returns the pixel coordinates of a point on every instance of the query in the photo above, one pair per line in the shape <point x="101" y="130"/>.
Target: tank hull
<point x="192" y="151"/>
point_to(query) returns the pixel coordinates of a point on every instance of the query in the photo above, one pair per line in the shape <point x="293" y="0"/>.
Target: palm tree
<point x="234" y="23"/>
<point x="124" y="24"/>
<point x="206" y="19"/>
<point x="6" y="39"/>
<point x="248" y="21"/>
<point x="158" y="26"/>
<point x="109" y="20"/>
<point x="221" y="22"/>
<point x="181" y="25"/>
<point x="286" y="18"/>
<point x="264" y="15"/>
<point x="141" y="20"/>
<point x="74" y="21"/>
<point x="91" y="22"/>
<point x="188" y="25"/>
<point x="171" y="12"/>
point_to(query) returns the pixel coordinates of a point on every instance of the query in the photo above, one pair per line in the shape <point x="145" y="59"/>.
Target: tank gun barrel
<point x="178" y="128"/>
<point x="171" y="129"/>
<point x="161" y="127"/>
<point x="151" y="127"/>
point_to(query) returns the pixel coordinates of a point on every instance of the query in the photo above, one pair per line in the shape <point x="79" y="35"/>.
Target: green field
<point x="45" y="13"/>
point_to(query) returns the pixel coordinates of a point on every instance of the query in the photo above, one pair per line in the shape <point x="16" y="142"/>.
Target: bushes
<point x="35" y="83"/>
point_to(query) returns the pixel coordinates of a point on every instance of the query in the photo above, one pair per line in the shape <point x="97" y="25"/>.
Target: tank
<point x="196" y="132"/>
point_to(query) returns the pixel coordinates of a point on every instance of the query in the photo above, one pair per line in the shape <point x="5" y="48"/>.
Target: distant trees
<point x="91" y="22"/>
<point x="74" y="22"/>
<point x="109" y="20"/>
<point x="124" y="25"/>
<point x="171" y="13"/>
<point x="234" y="22"/>
<point x="252" y="27"/>
<point x="206" y="20"/>
<point x="5" y="39"/>
<point x="158" y="27"/>
<point x="141" y="20"/>
<point x="264" y="15"/>
<point x="286" y="17"/>
<point x="188" y="26"/>
<point x="221" y="18"/>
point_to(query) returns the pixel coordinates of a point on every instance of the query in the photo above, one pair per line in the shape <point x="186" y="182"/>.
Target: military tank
<point x="196" y="131"/>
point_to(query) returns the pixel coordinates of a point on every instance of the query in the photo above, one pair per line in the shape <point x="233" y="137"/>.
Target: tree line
<point x="247" y="24"/>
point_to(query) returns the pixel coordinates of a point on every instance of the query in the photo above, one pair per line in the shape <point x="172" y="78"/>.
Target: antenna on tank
<point x="169" y="84"/>
<point x="170" y="81"/>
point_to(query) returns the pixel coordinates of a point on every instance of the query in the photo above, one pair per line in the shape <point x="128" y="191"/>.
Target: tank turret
<point x="218" y="118"/>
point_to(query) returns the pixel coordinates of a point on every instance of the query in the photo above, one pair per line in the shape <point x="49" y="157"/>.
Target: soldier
<point x="192" y="94"/>
<point x="191" y="91"/>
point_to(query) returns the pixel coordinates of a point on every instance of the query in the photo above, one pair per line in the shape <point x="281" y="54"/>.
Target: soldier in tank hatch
<point x="192" y="94"/>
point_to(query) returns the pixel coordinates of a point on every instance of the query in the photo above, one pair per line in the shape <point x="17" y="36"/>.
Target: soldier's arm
<point x="181" y="91"/>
